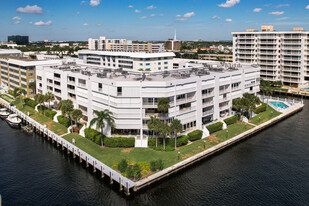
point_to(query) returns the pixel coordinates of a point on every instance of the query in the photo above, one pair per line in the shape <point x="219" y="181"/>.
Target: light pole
<point x="178" y="155"/>
<point x="259" y="119"/>
<point x="204" y="144"/>
<point x="227" y="133"/>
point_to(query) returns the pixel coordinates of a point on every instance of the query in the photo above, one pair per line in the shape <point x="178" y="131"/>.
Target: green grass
<point x="265" y="116"/>
<point x="279" y="89"/>
<point x="233" y="130"/>
<point x="7" y="98"/>
<point x="53" y="126"/>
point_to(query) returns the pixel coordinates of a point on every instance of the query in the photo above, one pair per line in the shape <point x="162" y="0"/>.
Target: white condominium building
<point x="282" y="55"/>
<point x="199" y="93"/>
<point x="104" y="44"/>
<point x="137" y="61"/>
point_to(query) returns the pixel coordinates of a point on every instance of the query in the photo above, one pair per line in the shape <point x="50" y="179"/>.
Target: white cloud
<point x="41" y="23"/>
<point x="85" y="24"/>
<point x="178" y="15"/>
<point x="282" y="18"/>
<point x="99" y="24"/>
<point x="143" y="17"/>
<point x="78" y="13"/>
<point x="276" y="13"/>
<point x="182" y="19"/>
<point x="257" y="10"/>
<point x="30" y="10"/>
<point x="152" y="15"/>
<point x="16" y="18"/>
<point x="228" y="20"/>
<point x="189" y="14"/>
<point x="307" y="7"/>
<point x="151" y="7"/>
<point x="94" y="2"/>
<point x="282" y="5"/>
<point x="130" y="6"/>
<point x="215" y="17"/>
<point x="229" y="3"/>
<point x="16" y="22"/>
<point x="137" y="11"/>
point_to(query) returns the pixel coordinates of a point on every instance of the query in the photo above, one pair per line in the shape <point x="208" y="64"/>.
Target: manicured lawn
<point x="232" y="131"/>
<point x="7" y="98"/>
<point x="265" y="116"/>
<point x="53" y="126"/>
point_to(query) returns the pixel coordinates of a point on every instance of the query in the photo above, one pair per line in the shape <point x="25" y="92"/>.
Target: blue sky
<point x="146" y="19"/>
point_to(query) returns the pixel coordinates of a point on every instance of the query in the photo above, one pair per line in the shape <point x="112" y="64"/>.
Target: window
<point x="100" y="86"/>
<point x="165" y="62"/>
<point x="147" y="64"/>
<point x="159" y="68"/>
<point x="141" y="64"/>
<point x="57" y="75"/>
<point x="165" y="67"/>
<point x="159" y="63"/>
<point x="119" y="91"/>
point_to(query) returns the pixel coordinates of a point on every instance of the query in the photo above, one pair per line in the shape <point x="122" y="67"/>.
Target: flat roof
<point x="9" y="51"/>
<point x="128" y="54"/>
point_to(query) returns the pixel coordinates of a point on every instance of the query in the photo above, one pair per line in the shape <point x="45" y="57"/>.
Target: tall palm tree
<point x="153" y="125"/>
<point x="49" y="97"/>
<point x="40" y="99"/>
<point x="163" y="106"/>
<point x="18" y="91"/>
<point x="77" y="114"/>
<point x="32" y="86"/>
<point x="66" y="106"/>
<point x="268" y="92"/>
<point x="103" y="117"/>
<point x="176" y="127"/>
<point x="164" y="130"/>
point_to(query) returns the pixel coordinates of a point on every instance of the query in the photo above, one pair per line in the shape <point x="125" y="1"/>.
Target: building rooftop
<point x="128" y="53"/>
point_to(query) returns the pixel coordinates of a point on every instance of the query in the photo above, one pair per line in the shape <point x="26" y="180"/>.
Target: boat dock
<point x="30" y="125"/>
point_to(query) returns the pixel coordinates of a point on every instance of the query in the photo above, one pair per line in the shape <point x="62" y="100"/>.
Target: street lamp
<point x="204" y="144"/>
<point x="259" y="119"/>
<point x="178" y="155"/>
<point x="227" y="133"/>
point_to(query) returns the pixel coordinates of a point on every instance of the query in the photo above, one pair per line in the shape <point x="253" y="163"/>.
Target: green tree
<point x="100" y="119"/>
<point x="163" y="106"/>
<point x="77" y="114"/>
<point x="176" y="127"/>
<point x="153" y="126"/>
<point x="66" y="107"/>
<point x="136" y="171"/>
<point x="32" y="86"/>
<point x="18" y="91"/>
<point x="40" y="99"/>
<point x="122" y="165"/>
<point x="49" y="97"/>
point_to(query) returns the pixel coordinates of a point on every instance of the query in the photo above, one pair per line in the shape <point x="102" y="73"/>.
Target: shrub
<point x="195" y="135"/>
<point x="29" y="102"/>
<point x="169" y="142"/>
<point x="231" y="120"/>
<point x="129" y="172"/>
<point x="48" y="112"/>
<point x="91" y="134"/>
<point x="214" y="127"/>
<point x="63" y="120"/>
<point x="136" y="170"/>
<point x="182" y="140"/>
<point x="119" y="141"/>
<point x="260" y="109"/>
<point x="122" y="166"/>
<point x="11" y="92"/>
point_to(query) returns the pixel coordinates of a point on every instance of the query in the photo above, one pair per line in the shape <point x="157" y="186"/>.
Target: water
<point x="271" y="168"/>
<point x="279" y="104"/>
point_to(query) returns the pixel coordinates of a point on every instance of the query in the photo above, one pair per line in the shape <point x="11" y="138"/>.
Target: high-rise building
<point x="282" y="55"/>
<point x="20" y="40"/>
<point x="104" y="44"/>
<point x="173" y="44"/>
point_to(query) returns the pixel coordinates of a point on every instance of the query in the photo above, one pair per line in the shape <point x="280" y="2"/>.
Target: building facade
<point x="136" y="61"/>
<point x="19" y="72"/>
<point x="20" y="40"/>
<point x="199" y="93"/>
<point x="104" y="44"/>
<point x="282" y="55"/>
<point x="216" y="57"/>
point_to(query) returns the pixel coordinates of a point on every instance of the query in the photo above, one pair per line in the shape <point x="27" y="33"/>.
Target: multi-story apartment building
<point x="137" y="61"/>
<point x="104" y="44"/>
<point x="282" y="55"/>
<point x="216" y="57"/>
<point x="19" y="72"/>
<point x="199" y="92"/>
<point x="20" y="40"/>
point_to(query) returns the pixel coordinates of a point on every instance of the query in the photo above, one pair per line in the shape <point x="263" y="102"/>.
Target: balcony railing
<point x="208" y="112"/>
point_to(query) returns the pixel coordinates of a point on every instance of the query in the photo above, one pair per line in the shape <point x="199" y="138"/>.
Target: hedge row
<point x="182" y="140"/>
<point x="29" y="102"/>
<point x="231" y="120"/>
<point x="48" y="112"/>
<point x="195" y="135"/>
<point x="95" y="136"/>
<point x="63" y="120"/>
<point x="260" y="109"/>
<point x="214" y="127"/>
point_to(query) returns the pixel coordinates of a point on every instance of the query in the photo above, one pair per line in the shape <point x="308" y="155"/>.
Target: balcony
<point x="184" y="100"/>
<point x="224" y="107"/>
<point x="208" y="103"/>
<point x="208" y="112"/>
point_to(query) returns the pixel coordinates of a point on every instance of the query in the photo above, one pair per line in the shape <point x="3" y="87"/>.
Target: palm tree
<point x="66" y="107"/>
<point x="18" y="91"/>
<point x="32" y="86"/>
<point x="102" y="117"/>
<point x="164" y="130"/>
<point x="163" y="106"/>
<point x="268" y="92"/>
<point x="176" y="127"/>
<point x="152" y="124"/>
<point x="40" y="99"/>
<point x="49" y="97"/>
<point x="77" y="114"/>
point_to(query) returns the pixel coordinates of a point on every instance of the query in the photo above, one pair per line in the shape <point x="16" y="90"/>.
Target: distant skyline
<point x="146" y="20"/>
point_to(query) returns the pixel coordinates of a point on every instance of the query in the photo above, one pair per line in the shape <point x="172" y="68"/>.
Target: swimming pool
<point x="279" y="105"/>
<point x="306" y="88"/>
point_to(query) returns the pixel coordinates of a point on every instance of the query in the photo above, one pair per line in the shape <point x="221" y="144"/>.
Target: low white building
<point x="200" y="92"/>
<point x="136" y="61"/>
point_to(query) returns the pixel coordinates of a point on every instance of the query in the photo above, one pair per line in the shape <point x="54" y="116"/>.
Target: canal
<point x="271" y="168"/>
